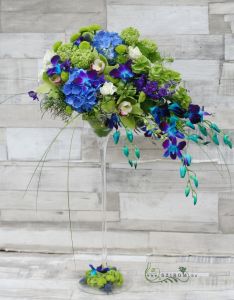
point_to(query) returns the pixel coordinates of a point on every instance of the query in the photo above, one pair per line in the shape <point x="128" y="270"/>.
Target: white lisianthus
<point x="134" y="52"/>
<point x="46" y="63"/>
<point x="108" y="88"/>
<point x="98" y="65"/>
<point x="125" y="108"/>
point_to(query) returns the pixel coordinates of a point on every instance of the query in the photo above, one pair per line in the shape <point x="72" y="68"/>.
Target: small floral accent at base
<point x="103" y="278"/>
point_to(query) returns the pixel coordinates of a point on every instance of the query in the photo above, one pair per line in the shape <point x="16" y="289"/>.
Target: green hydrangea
<point x="65" y="51"/>
<point x="81" y="58"/>
<point x="141" y="65"/>
<point x="130" y="35"/>
<point x="162" y="75"/>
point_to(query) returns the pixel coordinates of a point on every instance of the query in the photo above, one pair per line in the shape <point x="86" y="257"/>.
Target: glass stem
<point x="103" y="146"/>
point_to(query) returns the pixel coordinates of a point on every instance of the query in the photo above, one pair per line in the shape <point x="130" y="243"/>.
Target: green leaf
<point x="44" y="88"/>
<point x="108" y="106"/>
<point x="103" y="58"/>
<point x="108" y="69"/>
<point x="136" y="110"/>
<point x="128" y="122"/>
<point x="142" y="97"/>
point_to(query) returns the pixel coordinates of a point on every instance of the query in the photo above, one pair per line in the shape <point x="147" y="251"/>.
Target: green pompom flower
<point x="130" y="35"/>
<point x="83" y="58"/>
<point x="65" y="51"/>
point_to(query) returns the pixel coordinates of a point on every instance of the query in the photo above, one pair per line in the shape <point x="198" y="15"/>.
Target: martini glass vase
<point x="102" y="278"/>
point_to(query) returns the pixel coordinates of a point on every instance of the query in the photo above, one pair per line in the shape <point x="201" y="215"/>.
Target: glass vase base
<point x="84" y="288"/>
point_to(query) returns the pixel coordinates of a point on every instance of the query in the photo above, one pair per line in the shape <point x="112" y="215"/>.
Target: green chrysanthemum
<point x="83" y="58"/>
<point x="130" y="35"/>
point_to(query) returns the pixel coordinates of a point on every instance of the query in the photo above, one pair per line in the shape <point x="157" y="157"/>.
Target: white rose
<point x="108" y="88"/>
<point x="125" y="108"/>
<point x="134" y="53"/>
<point x="98" y="65"/>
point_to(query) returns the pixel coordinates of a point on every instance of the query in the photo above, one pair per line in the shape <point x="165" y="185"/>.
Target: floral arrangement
<point x="119" y="80"/>
<point x="103" y="278"/>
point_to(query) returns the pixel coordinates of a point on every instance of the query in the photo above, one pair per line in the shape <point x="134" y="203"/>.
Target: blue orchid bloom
<point x="177" y="110"/>
<point x="196" y="114"/>
<point x="33" y="95"/>
<point x="171" y="129"/>
<point x="113" y="121"/>
<point x="123" y="72"/>
<point x="58" y="66"/>
<point x="99" y="269"/>
<point x="172" y="148"/>
<point x="159" y="112"/>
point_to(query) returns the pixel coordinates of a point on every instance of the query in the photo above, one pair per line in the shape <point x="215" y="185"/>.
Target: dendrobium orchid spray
<point x="120" y="80"/>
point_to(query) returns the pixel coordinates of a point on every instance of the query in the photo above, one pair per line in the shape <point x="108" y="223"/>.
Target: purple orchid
<point x="172" y="148"/>
<point x="33" y="95"/>
<point x="123" y="72"/>
<point x="196" y="114"/>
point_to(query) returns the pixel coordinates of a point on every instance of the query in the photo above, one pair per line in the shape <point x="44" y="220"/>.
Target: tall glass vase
<point x="102" y="144"/>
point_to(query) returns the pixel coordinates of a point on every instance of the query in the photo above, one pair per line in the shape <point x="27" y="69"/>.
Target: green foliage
<point x="57" y="45"/>
<point x="130" y="36"/>
<point x="81" y="58"/>
<point x="65" y="51"/>
<point x="181" y="97"/>
<point x="108" y="105"/>
<point x="141" y="65"/>
<point x="55" y="104"/>
<point x="128" y="122"/>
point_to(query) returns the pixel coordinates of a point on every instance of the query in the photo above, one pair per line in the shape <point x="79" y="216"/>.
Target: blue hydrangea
<point x="81" y="89"/>
<point x="105" y="43"/>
